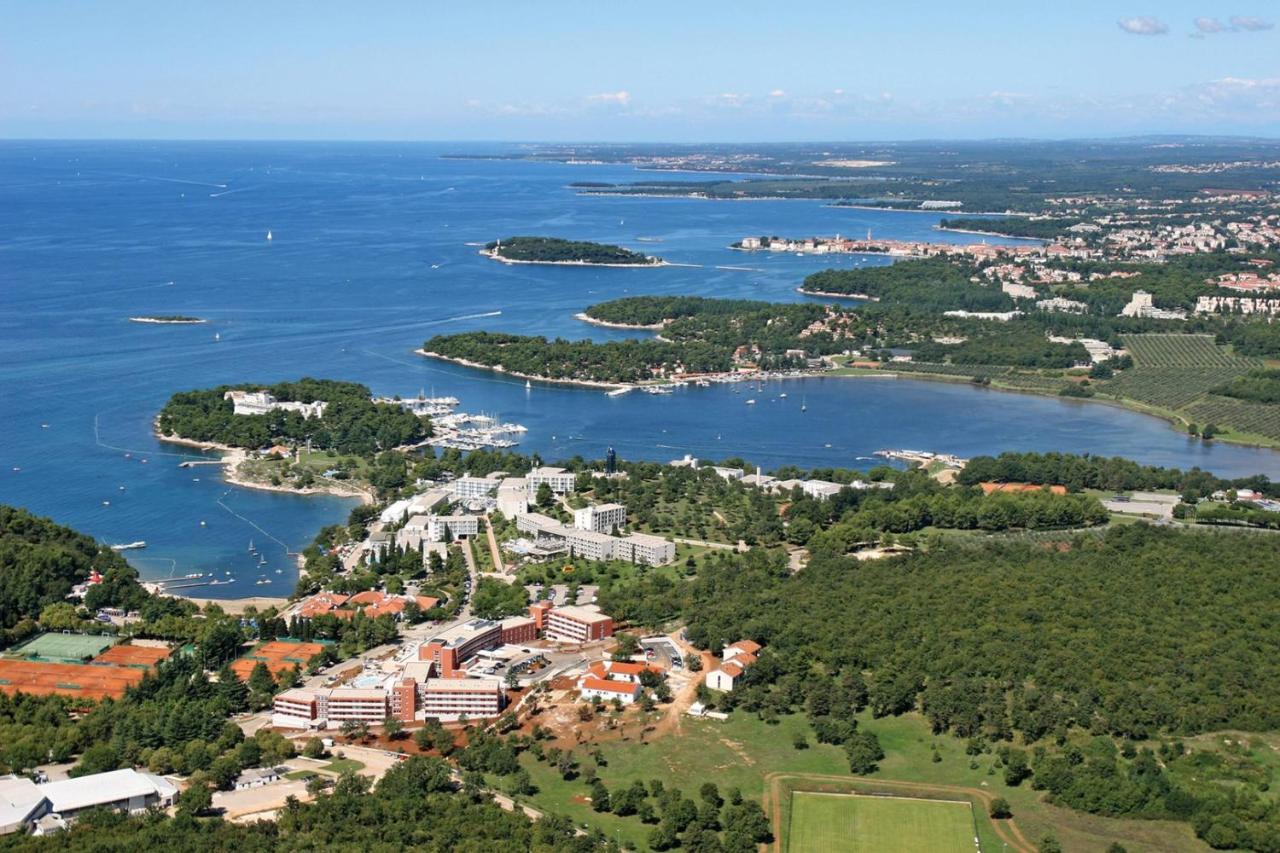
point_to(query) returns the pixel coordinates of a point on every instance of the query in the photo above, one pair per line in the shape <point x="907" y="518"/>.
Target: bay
<point x="370" y="256"/>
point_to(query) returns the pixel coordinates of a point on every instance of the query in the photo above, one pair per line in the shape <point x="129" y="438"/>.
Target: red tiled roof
<point x="605" y="686"/>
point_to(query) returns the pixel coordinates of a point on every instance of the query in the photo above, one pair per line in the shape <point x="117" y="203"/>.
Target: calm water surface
<point x="370" y="257"/>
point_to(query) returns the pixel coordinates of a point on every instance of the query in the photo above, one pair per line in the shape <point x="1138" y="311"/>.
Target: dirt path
<point x="498" y="565"/>
<point x="1008" y="831"/>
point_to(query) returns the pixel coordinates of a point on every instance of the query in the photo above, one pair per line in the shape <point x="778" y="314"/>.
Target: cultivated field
<point x="835" y="823"/>
<point x="1174" y="375"/>
<point x="1174" y="350"/>
<point x="63" y="647"/>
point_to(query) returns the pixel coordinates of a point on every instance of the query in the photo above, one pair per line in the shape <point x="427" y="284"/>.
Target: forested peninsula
<point x="703" y="336"/>
<point x="351" y="422"/>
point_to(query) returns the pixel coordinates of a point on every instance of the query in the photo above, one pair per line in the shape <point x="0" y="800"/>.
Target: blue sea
<point x="372" y="253"/>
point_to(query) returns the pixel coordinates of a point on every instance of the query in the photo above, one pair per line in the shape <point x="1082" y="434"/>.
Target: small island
<point x="168" y="319"/>
<point x="553" y="250"/>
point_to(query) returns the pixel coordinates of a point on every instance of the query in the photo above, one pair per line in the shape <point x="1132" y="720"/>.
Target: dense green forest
<point x="548" y="250"/>
<point x="615" y="361"/>
<point x="652" y="310"/>
<point x="928" y="286"/>
<point x="1100" y="472"/>
<point x="352" y="422"/>
<point x="413" y="806"/>
<point x="41" y="561"/>
<point x="1011" y="226"/>
<point x="1014" y="343"/>
<point x="1139" y="633"/>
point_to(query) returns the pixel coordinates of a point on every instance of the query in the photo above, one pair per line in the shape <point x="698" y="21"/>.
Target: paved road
<point x="720" y="546"/>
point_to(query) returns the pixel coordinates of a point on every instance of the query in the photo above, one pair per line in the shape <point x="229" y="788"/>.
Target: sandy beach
<point x="236" y="606"/>
<point x="861" y="296"/>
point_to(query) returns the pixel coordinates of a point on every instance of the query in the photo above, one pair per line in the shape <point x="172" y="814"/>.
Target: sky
<point x="617" y="70"/>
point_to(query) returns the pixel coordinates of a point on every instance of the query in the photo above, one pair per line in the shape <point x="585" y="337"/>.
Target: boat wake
<point x="252" y="523"/>
<point x="97" y="439"/>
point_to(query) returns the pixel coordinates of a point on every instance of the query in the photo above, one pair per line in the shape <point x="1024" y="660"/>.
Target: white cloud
<point x="1208" y="25"/>
<point x="777" y="93"/>
<point x="1143" y="25"/>
<point x="622" y="98"/>
<point x="1250" y="24"/>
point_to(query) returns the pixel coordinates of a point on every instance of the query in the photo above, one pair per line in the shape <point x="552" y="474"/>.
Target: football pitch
<point x="70" y="648"/>
<point x="849" y="823"/>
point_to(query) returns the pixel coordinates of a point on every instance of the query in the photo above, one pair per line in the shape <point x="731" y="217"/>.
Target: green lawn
<point x="56" y="646"/>
<point x="736" y="753"/>
<point x="743" y="750"/>
<point x="343" y="765"/>
<point x="835" y="823"/>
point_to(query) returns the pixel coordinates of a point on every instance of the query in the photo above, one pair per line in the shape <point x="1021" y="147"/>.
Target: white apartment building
<point x="588" y="544"/>
<point x="470" y="488"/>
<point x="297" y="709"/>
<point x="431" y="528"/>
<point x="577" y="624"/>
<point x="559" y="480"/>
<point x="645" y="548"/>
<point x="450" y="698"/>
<point x="261" y="402"/>
<point x="513" y="496"/>
<point x="1018" y="291"/>
<point x="351" y="703"/>
<point x="601" y="518"/>
<point x="820" y="489"/>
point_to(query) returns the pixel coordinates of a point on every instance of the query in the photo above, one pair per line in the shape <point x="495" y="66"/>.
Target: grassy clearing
<point x="343" y="765"/>
<point x="743" y="751"/>
<point x="834" y="823"/>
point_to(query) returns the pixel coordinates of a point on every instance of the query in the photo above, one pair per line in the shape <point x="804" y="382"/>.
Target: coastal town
<point x="377" y="477"/>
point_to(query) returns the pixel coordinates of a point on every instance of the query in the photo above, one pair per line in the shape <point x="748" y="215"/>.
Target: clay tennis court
<point x="143" y="656"/>
<point x="88" y="681"/>
<point x="278" y="656"/>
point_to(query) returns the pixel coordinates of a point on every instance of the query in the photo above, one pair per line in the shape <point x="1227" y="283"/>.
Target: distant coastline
<point x="937" y="212"/>
<point x="988" y="234"/>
